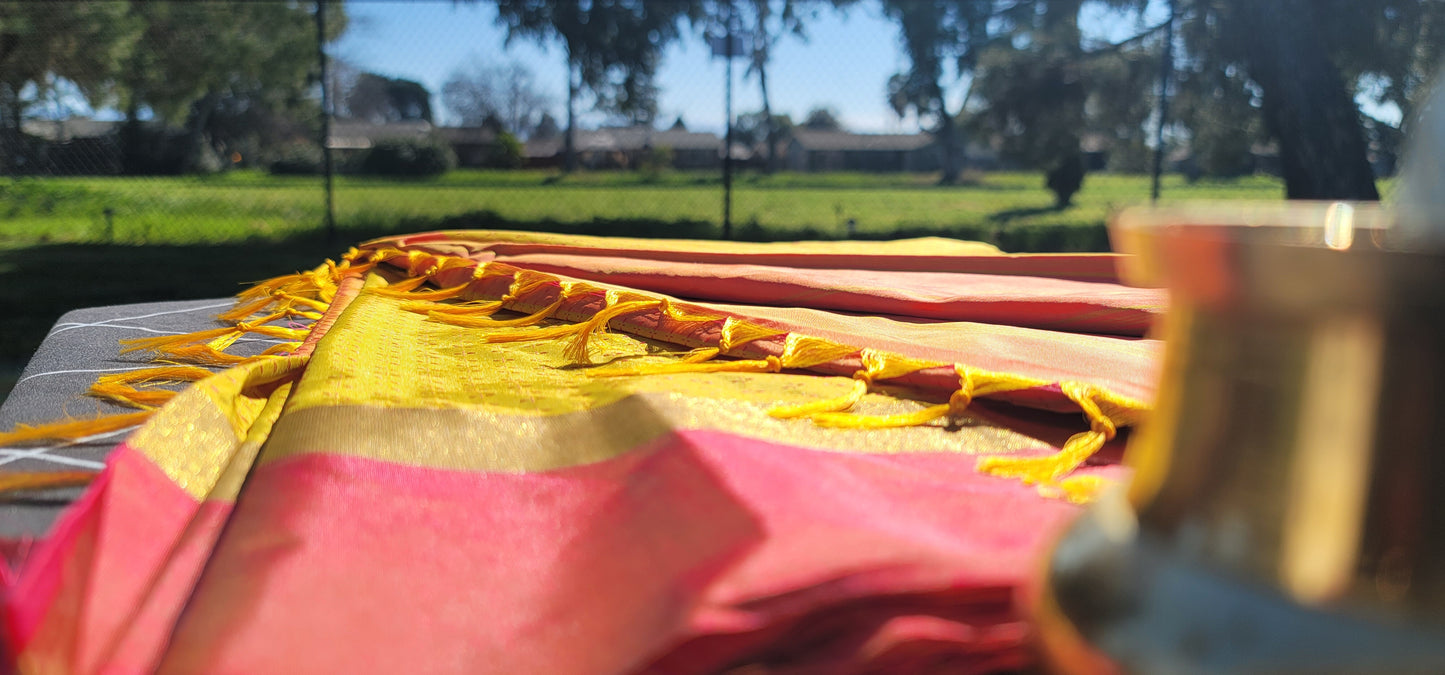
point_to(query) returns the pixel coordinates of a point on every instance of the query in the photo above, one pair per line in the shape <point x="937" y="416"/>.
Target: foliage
<point x="764" y="23"/>
<point x="407" y="158"/>
<point x="380" y="99"/>
<point x="822" y="119"/>
<point x="613" y="47"/>
<point x="506" y="152"/>
<point x="655" y="161"/>
<point x="546" y="128"/>
<point x="1121" y="97"/>
<point x="1302" y="63"/>
<point x="82" y="42"/>
<point x="752" y="129"/>
<point x="43" y="43"/>
<point x="939" y="37"/>
<point x="475" y="91"/>
<point x="236" y="75"/>
<point x="1035" y="88"/>
<point x="296" y="159"/>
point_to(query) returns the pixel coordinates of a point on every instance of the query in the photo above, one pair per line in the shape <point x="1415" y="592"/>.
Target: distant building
<point x="61" y="131"/>
<point x="350" y="137"/>
<point x="1096" y="148"/>
<point x="813" y="150"/>
<point x="75" y="146"/>
<point x="473" y="146"/>
<point x="628" y="148"/>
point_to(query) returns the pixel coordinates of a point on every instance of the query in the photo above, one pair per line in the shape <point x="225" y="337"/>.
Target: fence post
<point x="325" y="120"/>
<point x="1166" y="69"/>
<point x="727" y="232"/>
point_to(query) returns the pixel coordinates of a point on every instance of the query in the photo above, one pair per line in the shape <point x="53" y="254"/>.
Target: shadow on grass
<point x="1014" y="214"/>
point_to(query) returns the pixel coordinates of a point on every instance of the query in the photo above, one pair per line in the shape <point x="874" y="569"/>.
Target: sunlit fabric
<point x="515" y="453"/>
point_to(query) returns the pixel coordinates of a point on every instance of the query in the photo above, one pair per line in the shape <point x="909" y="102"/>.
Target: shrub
<point x="407" y="157"/>
<point x="506" y="153"/>
<point x="296" y="159"/>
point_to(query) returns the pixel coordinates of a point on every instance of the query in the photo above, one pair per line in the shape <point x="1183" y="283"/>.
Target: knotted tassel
<point x="405" y="286"/>
<point x="315" y="305"/>
<point x="242" y="310"/>
<point x="861" y="382"/>
<point x="474" y="308"/>
<point x="131" y="397"/>
<point x="1076" y="489"/>
<point x="118" y="387"/>
<point x="482" y="320"/>
<point x="576" y="350"/>
<point x="734" y="334"/>
<point x="1105" y="413"/>
<point x="394" y="291"/>
<point x="957" y="403"/>
<point x="524" y="283"/>
<point x="204" y="355"/>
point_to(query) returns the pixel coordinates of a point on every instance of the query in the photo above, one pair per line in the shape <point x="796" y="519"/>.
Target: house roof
<point x="64" y="130"/>
<point x="359" y="135"/>
<point x="477" y="135"/>
<point x="610" y="139"/>
<point x="812" y="139"/>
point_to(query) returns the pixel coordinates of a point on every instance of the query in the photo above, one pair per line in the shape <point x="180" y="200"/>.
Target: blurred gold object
<point x="1286" y="512"/>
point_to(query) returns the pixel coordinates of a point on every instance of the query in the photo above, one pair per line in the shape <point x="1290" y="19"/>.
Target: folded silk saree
<point x="525" y="453"/>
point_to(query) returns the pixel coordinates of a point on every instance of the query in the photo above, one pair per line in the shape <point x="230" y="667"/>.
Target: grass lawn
<point x="195" y="237"/>
<point x="242" y="205"/>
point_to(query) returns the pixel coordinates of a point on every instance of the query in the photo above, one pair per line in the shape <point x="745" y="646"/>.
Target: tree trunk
<point x="9" y="129"/>
<point x="952" y="155"/>
<point x="1307" y="108"/>
<point x="196" y="131"/>
<point x="569" y="143"/>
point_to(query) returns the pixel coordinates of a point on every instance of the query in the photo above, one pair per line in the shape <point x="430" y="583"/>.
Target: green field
<point x="195" y="237"/>
<point x="242" y="206"/>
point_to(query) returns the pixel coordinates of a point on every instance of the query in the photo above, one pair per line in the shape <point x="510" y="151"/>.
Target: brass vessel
<point x="1287" y="511"/>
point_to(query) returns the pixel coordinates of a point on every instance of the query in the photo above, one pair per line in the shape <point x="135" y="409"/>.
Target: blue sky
<point x="844" y="64"/>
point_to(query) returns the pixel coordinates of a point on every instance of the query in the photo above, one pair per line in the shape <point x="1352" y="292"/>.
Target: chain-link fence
<point x="206" y="122"/>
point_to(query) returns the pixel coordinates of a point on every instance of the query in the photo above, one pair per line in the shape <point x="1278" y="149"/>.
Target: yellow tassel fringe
<point x="43" y="480"/>
<point x="119" y="388"/>
<point x="308" y="294"/>
<point x="70" y="430"/>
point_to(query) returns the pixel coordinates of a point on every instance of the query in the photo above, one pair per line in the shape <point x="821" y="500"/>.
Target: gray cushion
<point x="83" y="345"/>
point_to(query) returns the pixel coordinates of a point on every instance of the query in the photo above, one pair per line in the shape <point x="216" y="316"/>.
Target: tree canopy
<point x="508" y="92"/>
<point x="81" y="42"/>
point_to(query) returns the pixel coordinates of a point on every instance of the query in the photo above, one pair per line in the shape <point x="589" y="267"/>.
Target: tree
<point x="1304" y="61"/>
<point x="937" y="35"/>
<point x="475" y="90"/>
<point x="1216" y="105"/>
<point x="755" y="128"/>
<point x="546" y="128"/>
<point x="822" y="119"/>
<point x="771" y="20"/>
<point x="81" y="42"/>
<point x="1034" y="88"/>
<point x="1121" y="86"/>
<point x="613" y="49"/>
<point x="380" y="99"/>
<point x="197" y="59"/>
